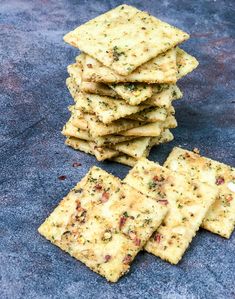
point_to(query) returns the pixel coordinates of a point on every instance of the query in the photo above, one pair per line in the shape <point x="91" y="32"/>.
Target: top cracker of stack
<point x="123" y="84"/>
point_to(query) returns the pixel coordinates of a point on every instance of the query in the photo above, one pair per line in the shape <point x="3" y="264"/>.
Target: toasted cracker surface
<point x="125" y="38"/>
<point x="188" y="201"/>
<point x="160" y="69"/>
<point x="103" y="223"/>
<point x="220" y="218"/>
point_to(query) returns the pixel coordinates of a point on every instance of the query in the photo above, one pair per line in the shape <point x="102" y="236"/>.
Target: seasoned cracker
<point x="151" y="129"/>
<point x="153" y="114"/>
<point x="107" y="109"/>
<point x="102" y="153"/>
<point x="165" y="97"/>
<point x="220" y="218"/>
<point x="79" y="144"/>
<point x="189" y="201"/>
<point x="160" y="69"/>
<point x="104" y="223"/>
<point x="185" y="63"/>
<point x="125" y="38"/>
<point x="135" y="148"/>
<point x="125" y="159"/>
<point x="133" y="93"/>
<point x="97" y="128"/>
<point x="89" y="147"/>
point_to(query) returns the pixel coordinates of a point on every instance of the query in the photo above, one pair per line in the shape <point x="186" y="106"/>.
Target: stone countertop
<point x="33" y="105"/>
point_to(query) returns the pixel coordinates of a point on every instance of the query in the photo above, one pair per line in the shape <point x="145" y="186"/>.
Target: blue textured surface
<point x="33" y="105"/>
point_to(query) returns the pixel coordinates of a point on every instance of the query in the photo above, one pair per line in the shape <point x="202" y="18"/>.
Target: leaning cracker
<point x="125" y="38"/>
<point x="79" y="144"/>
<point x="71" y="131"/>
<point x="152" y="114"/>
<point x="135" y="148"/>
<point x="151" y="129"/>
<point x="97" y="128"/>
<point x="189" y="201"/>
<point x="107" y="109"/>
<point x="160" y="69"/>
<point x="133" y="93"/>
<point x="220" y="218"/>
<point x="165" y="97"/>
<point x="102" y="153"/>
<point x="97" y="88"/>
<point x="185" y="63"/>
<point x="104" y="223"/>
<point x="125" y="159"/>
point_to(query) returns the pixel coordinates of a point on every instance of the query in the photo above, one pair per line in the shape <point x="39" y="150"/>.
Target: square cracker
<point x="220" y="218"/>
<point x="152" y="114"/>
<point x="125" y="38"/>
<point x="185" y="63"/>
<point x="104" y="223"/>
<point x="188" y="202"/>
<point x="151" y="129"/>
<point x="133" y="93"/>
<point x="97" y="128"/>
<point x="107" y="109"/>
<point x="89" y="147"/>
<point x="124" y="159"/>
<point x="164" y="97"/>
<point x="160" y="69"/>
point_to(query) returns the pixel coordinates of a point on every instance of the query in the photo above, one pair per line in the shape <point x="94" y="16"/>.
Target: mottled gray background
<point x="33" y="109"/>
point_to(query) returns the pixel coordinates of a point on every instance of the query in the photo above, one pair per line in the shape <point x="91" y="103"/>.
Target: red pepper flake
<point x="229" y="198"/>
<point x="219" y="180"/>
<point x="156" y="178"/>
<point x="98" y="187"/>
<point x="107" y="258"/>
<point x="77" y="164"/>
<point x="137" y="241"/>
<point x="157" y="237"/>
<point x="127" y="259"/>
<point x="122" y="221"/>
<point x="62" y="177"/>
<point x="163" y="202"/>
<point x="89" y="65"/>
<point x="105" y="197"/>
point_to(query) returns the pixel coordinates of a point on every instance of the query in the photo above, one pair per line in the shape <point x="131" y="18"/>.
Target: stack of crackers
<point x="123" y="84"/>
<point x="104" y="222"/>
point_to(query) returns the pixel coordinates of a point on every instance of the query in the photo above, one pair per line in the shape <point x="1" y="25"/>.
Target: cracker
<point x="125" y="159"/>
<point x="165" y="97"/>
<point x="185" y="63"/>
<point x="97" y="128"/>
<point x="125" y="38"/>
<point x="152" y="114"/>
<point x="220" y="219"/>
<point x="107" y="109"/>
<point x="135" y="148"/>
<point x="104" y="223"/>
<point x="97" y="88"/>
<point x="78" y="121"/>
<point x="133" y="93"/>
<point x="75" y="72"/>
<point x="79" y="144"/>
<point x="108" y="140"/>
<point x="71" y="131"/>
<point x="160" y="69"/>
<point x="101" y="153"/>
<point x="188" y="201"/>
<point x="151" y="129"/>
<point x="72" y="87"/>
